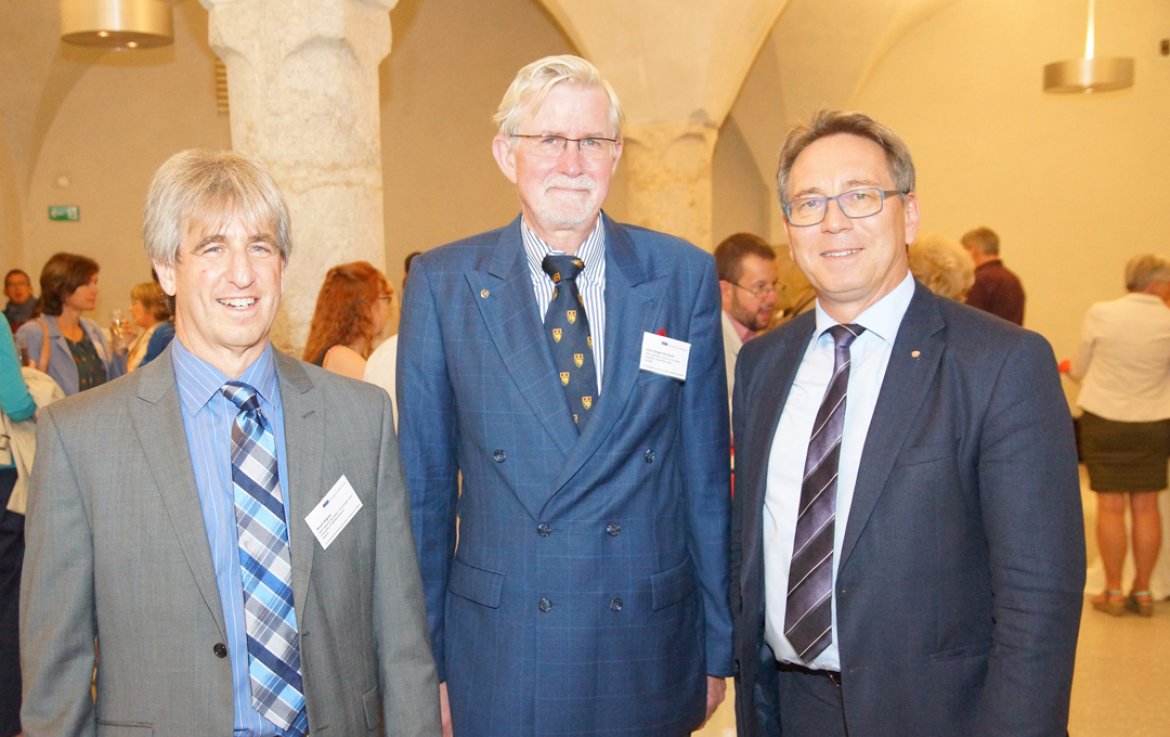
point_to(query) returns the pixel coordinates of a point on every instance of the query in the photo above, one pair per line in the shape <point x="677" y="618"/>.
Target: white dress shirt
<point x="869" y="356"/>
<point x="1124" y="359"/>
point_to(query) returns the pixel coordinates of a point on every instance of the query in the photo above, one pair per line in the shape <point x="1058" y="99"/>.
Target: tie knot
<point x="562" y="268"/>
<point x="242" y="395"/>
<point x="844" y="335"/>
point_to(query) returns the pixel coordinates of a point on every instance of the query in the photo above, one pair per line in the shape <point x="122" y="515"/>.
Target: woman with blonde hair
<point x="150" y="309"/>
<point x="942" y="265"/>
<point x="353" y="311"/>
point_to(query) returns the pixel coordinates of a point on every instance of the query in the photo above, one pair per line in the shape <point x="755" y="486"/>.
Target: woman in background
<point x="151" y="312"/>
<point x="942" y="265"/>
<point x="1124" y="368"/>
<point x="68" y="347"/>
<point x="353" y="311"/>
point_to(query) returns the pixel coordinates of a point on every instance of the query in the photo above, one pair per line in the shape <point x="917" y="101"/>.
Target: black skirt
<point x="1125" y="456"/>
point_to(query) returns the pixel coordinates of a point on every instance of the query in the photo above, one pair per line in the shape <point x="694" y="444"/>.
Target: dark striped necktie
<point x="808" y="617"/>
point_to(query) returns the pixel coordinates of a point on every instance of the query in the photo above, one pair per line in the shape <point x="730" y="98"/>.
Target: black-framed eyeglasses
<point x="862" y="202"/>
<point x="760" y="290"/>
<point x="551" y="146"/>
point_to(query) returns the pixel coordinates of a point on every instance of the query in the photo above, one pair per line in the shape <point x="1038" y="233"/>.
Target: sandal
<point x="1140" y="603"/>
<point x="1111" y="601"/>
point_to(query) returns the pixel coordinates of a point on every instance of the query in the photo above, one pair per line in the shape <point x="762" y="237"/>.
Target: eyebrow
<point x="850" y="184"/>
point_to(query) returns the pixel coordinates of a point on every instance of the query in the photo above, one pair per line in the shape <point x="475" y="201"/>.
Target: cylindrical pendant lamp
<point x="116" y="24"/>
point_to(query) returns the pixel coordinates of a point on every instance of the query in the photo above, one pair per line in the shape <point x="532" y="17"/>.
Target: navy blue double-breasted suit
<point x="588" y="590"/>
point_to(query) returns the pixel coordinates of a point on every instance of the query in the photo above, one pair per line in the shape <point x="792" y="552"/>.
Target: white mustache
<point x="562" y="181"/>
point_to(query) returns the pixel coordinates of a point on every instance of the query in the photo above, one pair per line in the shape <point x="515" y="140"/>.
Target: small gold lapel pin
<point x="915" y="354"/>
<point x="484" y="293"/>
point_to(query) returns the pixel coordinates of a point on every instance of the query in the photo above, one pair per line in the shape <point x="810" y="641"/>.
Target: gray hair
<point x="831" y="122"/>
<point x="200" y="187"/>
<point x="533" y="83"/>
<point x="984" y="239"/>
<point x="1144" y="269"/>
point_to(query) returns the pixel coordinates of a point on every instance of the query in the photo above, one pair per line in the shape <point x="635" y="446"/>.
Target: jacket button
<point x="613" y="529"/>
<point x="499" y="456"/>
<point x="543" y="529"/>
<point x="615" y="604"/>
<point x="545" y="604"/>
<point x="219" y="649"/>
<point x="649" y="456"/>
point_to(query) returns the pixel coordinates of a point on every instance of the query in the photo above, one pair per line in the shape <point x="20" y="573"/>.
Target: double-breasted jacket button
<point x="615" y="604"/>
<point x="499" y="455"/>
<point x="613" y="529"/>
<point x="543" y="529"/>
<point x="545" y="604"/>
<point x="219" y="649"/>
<point x="649" y="456"/>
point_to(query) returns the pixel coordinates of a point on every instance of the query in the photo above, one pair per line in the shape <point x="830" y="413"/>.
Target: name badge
<point x="333" y="512"/>
<point x="665" y="356"/>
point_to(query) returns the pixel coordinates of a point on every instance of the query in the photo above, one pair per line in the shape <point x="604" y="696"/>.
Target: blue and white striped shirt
<point x="590" y="282"/>
<point x="207" y="417"/>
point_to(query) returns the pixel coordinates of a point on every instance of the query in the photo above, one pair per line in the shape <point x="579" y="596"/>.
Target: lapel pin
<point x="484" y="293"/>
<point x="915" y="354"/>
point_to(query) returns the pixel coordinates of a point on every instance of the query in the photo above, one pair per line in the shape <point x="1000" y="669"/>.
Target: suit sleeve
<point x="406" y="671"/>
<point x="707" y="453"/>
<point x="57" y="610"/>
<point x="427" y="432"/>
<point x="1029" y="493"/>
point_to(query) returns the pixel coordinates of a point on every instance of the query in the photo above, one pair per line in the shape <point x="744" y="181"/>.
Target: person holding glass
<point x="1123" y="367"/>
<point x="68" y="347"/>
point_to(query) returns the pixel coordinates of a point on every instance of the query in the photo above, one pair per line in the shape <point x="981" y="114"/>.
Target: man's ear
<point x="505" y="156"/>
<point x="166" y="277"/>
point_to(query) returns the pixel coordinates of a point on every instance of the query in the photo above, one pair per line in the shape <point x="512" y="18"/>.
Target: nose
<point x="240" y="271"/>
<point x="571" y="160"/>
<point x="835" y="218"/>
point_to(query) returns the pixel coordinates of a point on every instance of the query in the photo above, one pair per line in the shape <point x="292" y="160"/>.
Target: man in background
<point x="907" y="544"/>
<point x="21" y="302"/>
<point x="228" y="523"/>
<point x="996" y="290"/>
<point x="746" y="265"/>
<point x="568" y="369"/>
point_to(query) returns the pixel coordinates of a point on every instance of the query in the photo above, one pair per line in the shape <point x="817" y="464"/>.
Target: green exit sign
<point x="71" y="213"/>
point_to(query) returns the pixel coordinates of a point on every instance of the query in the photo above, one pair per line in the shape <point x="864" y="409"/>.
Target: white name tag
<point x="333" y="513"/>
<point x="665" y="356"/>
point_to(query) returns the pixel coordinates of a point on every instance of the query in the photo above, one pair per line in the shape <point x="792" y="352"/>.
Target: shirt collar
<point x="743" y="332"/>
<point x="199" y="382"/>
<point x="592" y="250"/>
<point x="883" y="317"/>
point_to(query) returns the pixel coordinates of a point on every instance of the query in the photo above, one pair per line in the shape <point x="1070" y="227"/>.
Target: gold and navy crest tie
<point x="567" y="328"/>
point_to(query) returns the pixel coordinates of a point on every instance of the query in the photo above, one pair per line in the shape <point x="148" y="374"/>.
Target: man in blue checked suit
<point x="177" y="517"/>
<point x="586" y="591"/>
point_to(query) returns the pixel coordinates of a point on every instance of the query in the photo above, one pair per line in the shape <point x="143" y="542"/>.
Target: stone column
<point x="303" y="91"/>
<point x="668" y="170"/>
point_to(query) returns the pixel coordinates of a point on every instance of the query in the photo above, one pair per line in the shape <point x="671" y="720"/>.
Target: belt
<point x="833" y="676"/>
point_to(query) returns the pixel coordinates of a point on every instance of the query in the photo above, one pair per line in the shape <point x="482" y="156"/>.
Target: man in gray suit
<point x="229" y="525"/>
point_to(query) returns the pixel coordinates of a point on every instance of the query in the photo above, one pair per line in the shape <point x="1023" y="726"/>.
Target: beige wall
<point x="1073" y="184"/>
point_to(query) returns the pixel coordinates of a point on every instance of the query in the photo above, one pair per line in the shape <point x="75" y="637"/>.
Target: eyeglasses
<point x="760" y="290"/>
<point x="856" y="203"/>
<point x="552" y="146"/>
<point x="386" y="297"/>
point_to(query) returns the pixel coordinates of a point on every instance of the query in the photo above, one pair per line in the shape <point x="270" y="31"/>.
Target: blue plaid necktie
<point x="568" y="334"/>
<point x="274" y="654"/>
<point x="808" y="617"/>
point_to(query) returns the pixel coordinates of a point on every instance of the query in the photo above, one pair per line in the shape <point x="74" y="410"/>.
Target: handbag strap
<point x="43" y="361"/>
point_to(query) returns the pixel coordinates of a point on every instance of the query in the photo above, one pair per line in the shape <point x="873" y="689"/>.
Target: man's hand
<point x="445" y="709"/>
<point x="716" y="692"/>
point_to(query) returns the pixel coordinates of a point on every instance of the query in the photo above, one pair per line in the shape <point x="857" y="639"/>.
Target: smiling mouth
<point x="239" y="303"/>
<point x="842" y="253"/>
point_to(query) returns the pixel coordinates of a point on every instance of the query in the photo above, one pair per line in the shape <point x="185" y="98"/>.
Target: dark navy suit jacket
<point x="961" y="574"/>
<point x="588" y="593"/>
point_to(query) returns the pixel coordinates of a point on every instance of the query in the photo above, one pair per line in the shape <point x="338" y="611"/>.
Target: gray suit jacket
<point x="117" y="550"/>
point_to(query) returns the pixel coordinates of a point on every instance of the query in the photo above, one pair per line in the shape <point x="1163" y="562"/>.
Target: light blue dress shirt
<point x="869" y="356"/>
<point x="207" y="418"/>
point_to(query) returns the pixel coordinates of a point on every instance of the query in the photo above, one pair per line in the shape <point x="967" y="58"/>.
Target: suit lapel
<point x="304" y="443"/>
<point x="158" y="423"/>
<point x="913" y="365"/>
<point x="507" y="306"/>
